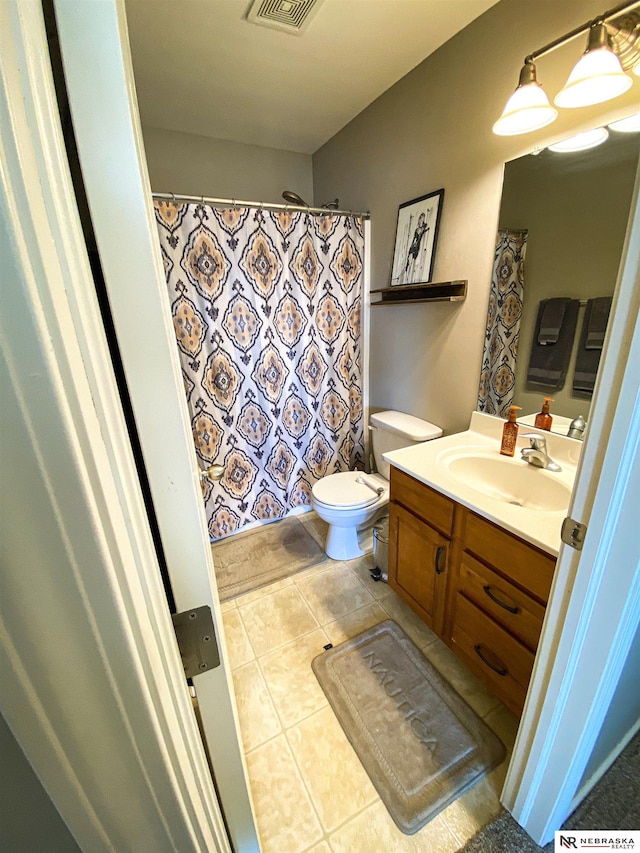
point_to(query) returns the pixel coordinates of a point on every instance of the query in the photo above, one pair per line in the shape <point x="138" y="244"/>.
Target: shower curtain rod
<point x="235" y="202"/>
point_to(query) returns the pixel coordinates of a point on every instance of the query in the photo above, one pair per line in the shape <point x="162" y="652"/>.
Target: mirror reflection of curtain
<point x="498" y="374"/>
<point x="266" y="310"/>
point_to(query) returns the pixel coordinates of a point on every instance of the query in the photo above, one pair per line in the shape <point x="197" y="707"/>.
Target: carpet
<point x="258" y="557"/>
<point x="612" y="804"/>
<point x="420" y="743"/>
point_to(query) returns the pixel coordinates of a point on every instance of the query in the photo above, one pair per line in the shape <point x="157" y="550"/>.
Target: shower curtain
<point x="266" y="308"/>
<point x="498" y="374"/>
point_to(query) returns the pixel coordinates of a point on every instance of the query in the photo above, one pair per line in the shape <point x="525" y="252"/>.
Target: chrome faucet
<point x="537" y="454"/>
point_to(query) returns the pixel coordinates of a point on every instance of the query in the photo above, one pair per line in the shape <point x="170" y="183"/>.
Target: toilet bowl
<point x="352" y="501"/>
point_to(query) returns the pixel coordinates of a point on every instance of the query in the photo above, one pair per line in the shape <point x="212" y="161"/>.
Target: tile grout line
<point x="306" y="633"/>
<point x="284" y="728"/>
<point x="290" y="639"/>
<point x="328" y="833"/>
<point x="302" y="782"/>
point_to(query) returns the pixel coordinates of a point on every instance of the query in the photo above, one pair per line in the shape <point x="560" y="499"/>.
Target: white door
<point x="95" y="52"/>
<point x="92" y="682"/>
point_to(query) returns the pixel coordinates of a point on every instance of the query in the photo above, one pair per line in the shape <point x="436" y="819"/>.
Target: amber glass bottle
<point x="510" y="433"/>
<point x="543" y="418"/>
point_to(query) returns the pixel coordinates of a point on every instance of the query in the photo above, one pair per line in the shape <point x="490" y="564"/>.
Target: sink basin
<point x="510" y="481"/>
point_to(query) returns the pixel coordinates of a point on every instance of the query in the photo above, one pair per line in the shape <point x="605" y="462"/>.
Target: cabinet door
<point x="418" y="565"/>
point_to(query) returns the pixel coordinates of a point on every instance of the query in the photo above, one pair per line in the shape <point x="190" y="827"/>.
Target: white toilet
<point x="353" y="500"/>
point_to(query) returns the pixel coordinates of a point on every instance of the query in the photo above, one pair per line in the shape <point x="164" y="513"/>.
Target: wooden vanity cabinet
<point x="480" y="588"/>
<point x="419" y="550"/>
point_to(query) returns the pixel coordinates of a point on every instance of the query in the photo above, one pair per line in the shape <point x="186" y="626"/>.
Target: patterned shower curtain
<point x="266" y="308"/>
<point x="498" y="375"/>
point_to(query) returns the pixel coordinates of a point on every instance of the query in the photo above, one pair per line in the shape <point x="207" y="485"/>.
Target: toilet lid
<point x="344" y="490"/>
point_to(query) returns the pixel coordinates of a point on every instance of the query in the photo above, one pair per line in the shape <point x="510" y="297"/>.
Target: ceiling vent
<point x="289" y="16"/>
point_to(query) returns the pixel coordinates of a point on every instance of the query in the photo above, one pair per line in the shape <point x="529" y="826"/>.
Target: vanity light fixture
<point x="581" y="141"/>
<point x="598" y="76"/>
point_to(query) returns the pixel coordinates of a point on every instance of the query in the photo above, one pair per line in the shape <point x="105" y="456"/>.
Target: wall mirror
<point x="567" y="214"/>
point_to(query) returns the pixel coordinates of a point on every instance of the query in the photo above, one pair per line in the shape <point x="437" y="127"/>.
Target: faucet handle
<point x="538" y="442"/>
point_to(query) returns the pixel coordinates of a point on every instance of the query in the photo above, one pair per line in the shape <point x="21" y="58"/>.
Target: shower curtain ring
<point x="173" y="197"/>
<point x="233" y="204"/>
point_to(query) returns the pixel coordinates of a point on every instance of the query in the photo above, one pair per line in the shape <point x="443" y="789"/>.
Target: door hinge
<point x="196" y="640"/>
<point x="573" y="533"/>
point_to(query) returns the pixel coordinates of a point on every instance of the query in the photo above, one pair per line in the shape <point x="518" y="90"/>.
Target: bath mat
<point x="258" y="557"/>
<point x="418" y="740"/>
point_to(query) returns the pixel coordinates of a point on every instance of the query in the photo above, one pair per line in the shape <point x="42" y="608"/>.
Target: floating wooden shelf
<point x="441" y="291"/>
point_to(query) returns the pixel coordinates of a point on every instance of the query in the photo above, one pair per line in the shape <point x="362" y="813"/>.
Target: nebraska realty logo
<point x="595" y="839"/>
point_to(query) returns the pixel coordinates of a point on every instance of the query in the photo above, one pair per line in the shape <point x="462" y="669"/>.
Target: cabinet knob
<point x="439" y="553"/>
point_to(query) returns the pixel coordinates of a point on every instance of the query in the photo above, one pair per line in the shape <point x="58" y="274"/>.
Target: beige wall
<point x="431" y="130"/>
<point x="197" y="165"/>
<point x="575" y="207"/>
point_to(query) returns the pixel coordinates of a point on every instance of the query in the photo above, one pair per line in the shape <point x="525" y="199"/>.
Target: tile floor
<point x="310" y="792"/>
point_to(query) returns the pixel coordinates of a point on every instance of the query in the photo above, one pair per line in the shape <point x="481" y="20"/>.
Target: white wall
<point x="432" y="129"/>
<point x="198" y="165"/>
<point x="30" y="821"/>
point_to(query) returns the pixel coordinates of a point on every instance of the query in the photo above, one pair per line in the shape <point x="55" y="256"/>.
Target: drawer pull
<point x="493" y="598"/>
<point x="439" y="553"/>
<point x="501" y="670"/>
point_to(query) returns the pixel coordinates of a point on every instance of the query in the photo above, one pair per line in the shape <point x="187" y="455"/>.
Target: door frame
<point x="93" y="685"/>
<point x="94" y="46"/>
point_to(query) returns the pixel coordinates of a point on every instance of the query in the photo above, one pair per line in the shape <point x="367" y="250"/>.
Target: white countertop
<point x="430" y="463"/>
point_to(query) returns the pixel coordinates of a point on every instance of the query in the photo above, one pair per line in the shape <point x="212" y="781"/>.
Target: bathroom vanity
<point x="474" y="553"/>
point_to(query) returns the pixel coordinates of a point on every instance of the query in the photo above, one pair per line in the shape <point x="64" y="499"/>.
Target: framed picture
<point x="416" y="236"/>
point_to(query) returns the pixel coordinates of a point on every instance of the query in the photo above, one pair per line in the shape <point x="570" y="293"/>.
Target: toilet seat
<point x="343" y="491"/>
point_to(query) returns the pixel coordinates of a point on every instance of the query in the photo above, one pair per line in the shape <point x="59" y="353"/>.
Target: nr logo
<point x="568" y="841"/>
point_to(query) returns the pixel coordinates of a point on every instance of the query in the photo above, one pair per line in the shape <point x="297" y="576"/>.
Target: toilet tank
<point x="392" y="430"/>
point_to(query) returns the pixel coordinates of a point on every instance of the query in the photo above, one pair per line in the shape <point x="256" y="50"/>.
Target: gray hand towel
<point x="549" y="361"/>
<point x="597" y="323"/>
<point x="588" y="357"/>
<point x="551" y="320"/>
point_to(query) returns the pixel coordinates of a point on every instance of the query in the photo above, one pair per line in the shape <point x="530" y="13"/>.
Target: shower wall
<point x="196" y="165"/>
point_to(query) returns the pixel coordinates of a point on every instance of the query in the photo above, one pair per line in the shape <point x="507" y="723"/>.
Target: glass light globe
<point x="527" y="109"/>
<point x="581" y="141"/>
<point x="597" y="76"/>
<point x="630" y="124"/>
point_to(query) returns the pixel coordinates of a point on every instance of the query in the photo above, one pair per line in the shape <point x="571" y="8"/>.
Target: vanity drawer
<point x="494" y="655"/>
<point x="520" y="562"/>
<point x="431" y="506"/>
<point x="505" y="603"/>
